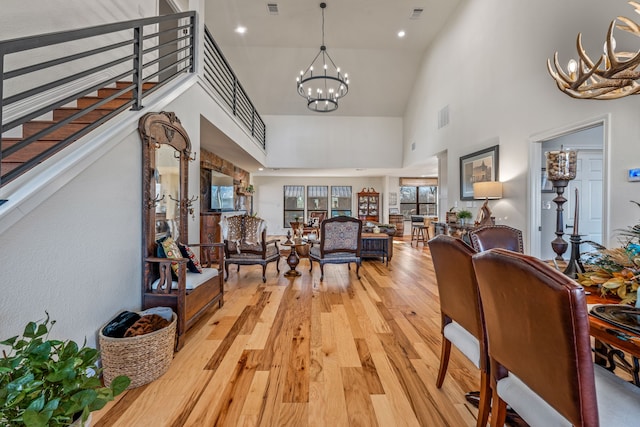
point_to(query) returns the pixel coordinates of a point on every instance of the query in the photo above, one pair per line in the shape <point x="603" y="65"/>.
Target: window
<point x="293" y="203"/>
<point x="317" y="199"/>
<point x="418" y="196"/>
<point x="341" y="200"/>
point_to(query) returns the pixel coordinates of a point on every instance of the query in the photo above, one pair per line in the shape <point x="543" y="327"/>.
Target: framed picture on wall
<point x="393" y="198"/>
<point x="477" y="167"/>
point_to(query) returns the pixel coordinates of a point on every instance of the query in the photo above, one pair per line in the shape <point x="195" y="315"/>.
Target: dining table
<point x="614" y="347"/>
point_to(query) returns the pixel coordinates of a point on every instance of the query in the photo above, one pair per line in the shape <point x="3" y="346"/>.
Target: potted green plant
<point x="46" y="382"/>
<point x="464" y="216"/>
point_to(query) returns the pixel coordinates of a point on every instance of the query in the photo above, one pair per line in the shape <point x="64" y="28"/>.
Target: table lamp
<point x="486" y="190"/>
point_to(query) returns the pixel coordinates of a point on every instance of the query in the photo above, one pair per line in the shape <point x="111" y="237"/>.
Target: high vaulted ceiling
<point x="360" y="35"/>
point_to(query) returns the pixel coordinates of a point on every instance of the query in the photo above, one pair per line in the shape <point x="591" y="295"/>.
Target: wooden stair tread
<point x="93" y="115"/>
<point x="49" y="140"/>
<point x="88" y="101"/>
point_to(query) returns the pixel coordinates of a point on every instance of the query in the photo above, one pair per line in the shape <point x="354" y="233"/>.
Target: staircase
<point x="52" y="141"/>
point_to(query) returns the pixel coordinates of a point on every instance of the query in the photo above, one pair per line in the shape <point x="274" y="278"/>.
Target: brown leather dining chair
<point x="540" y="358"/>
<point x="461" y="311"/>
<point x="496" y="236"/>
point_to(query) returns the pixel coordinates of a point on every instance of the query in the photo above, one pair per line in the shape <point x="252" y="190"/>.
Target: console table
<point x="376" y="245"/>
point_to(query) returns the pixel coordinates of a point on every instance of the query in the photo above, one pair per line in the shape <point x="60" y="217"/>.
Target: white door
<point x="588" y="181"/>
<point x="589" y="184"/>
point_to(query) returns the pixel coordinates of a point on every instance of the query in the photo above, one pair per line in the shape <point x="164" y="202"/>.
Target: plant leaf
<point x="70" y="350"/>
<point x="120" y="384"/>
<point x="30" y="330"/>
<point x="41" y="352"/>
<point x="10" y="341"/>
<point x="37" y="404"/>
<point x="84" y="397"/>
<point x="35" y="419"/>
<point x="614" y="283"/>
<point x="42" y="330"/>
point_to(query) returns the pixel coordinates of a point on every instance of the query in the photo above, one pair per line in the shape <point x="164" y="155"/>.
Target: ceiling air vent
<point x="416" y="12"/>
<point x="272" y="8"/>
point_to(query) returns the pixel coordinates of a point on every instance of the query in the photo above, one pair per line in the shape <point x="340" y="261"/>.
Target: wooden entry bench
<point x="192" y="294"/>
<point x="166" y="152"/>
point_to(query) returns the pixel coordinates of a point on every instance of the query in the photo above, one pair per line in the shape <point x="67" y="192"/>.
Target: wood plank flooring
<point x="300" y="352"/>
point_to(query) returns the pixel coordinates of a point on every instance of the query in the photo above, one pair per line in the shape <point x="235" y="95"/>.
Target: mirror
<point x="165" y="156"/>
<point x="167" y="191"/>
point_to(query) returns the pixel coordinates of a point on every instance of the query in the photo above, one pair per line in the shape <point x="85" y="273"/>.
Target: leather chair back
<point x="496" y="236"/>
<point x="538" y="329"/>
<point x="457" y="285"/>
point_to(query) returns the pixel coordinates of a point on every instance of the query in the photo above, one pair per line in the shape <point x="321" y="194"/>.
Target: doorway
<point x="589" y="140"/>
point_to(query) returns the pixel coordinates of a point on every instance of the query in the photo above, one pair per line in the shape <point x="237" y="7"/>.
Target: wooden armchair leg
<point x="226" y="271"/>
<point x="264" y="273"/>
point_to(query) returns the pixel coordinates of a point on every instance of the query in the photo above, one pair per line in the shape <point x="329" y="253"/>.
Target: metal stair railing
<point x="145" y="53"/>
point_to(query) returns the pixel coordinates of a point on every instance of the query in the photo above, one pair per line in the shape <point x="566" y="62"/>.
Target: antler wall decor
<point x="614" y="75"/>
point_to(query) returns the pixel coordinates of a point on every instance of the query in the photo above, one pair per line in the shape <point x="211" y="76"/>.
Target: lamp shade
<point x="487" y="190"/>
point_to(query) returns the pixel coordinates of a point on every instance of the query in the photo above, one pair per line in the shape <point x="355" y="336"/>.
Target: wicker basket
<point x="143" y="358"/>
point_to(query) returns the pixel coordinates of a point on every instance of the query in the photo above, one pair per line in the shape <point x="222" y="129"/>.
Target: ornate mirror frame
<point x="157" y="129"/>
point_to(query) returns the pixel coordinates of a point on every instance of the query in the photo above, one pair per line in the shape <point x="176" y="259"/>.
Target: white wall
<point x="78" y="255"/>
<point x="19" y="17"/>
<point x="334" y="142"/>
<point x="269" y="198"/>
<point x="489" y="66"/>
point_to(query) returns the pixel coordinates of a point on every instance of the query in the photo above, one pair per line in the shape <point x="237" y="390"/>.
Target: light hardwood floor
<point x="300" y="352"/>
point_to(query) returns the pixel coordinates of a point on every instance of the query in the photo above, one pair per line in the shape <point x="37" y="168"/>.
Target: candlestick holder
<point x="574" y="266"/>
<point x="559" y="245"/>
<point x="561" y="168"/>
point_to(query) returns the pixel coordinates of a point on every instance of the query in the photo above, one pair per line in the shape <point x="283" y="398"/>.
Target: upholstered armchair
<point x="341" y="243"/>
<point x="496" y="236"/>
<point x="245" y="243"/>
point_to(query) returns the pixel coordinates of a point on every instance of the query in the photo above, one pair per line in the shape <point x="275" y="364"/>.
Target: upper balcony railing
<point x="221" y="77"/>
<point x="57" y="87"/>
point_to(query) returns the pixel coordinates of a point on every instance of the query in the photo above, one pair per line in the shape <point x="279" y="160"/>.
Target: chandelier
<point x="323" y="89"/>
<point x="614" y="75"/>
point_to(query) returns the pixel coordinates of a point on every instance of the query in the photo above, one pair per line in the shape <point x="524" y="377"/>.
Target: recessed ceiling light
<point x="240" y="29"/>
<point x="401" y="33"/>
<point x="260" y="169"/>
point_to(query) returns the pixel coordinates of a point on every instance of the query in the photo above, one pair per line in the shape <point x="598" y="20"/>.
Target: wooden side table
<point x="293" y="259"/>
